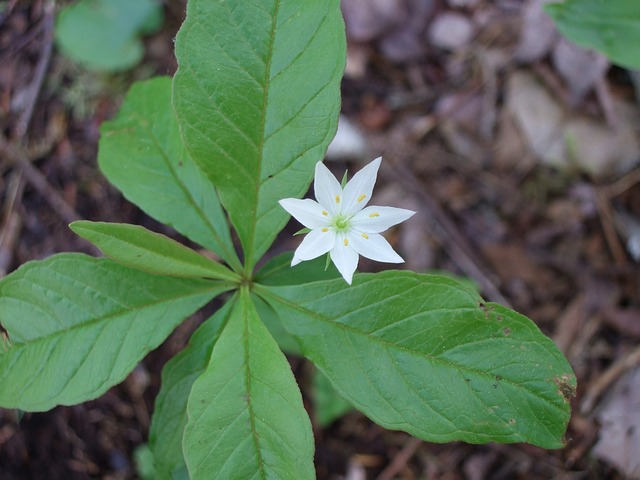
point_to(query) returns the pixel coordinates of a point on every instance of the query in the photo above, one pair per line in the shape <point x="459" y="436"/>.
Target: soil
<point x="554" y="242"/>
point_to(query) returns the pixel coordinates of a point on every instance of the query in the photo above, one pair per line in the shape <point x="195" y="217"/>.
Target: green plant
<point x="611" y="27"/>
<point x="240" y="127"/>
<point x="104" y="34"/>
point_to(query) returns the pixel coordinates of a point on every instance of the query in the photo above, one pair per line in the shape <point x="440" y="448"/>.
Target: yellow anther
<point x="374" y="214"/>
<point x="337" y="198"/>
<point x="361" y="197"/>
<point x="365" y="236"/>
<point x="346" y="242"/>
<point x="325" y="229"/>
<point x="325" y="213"/>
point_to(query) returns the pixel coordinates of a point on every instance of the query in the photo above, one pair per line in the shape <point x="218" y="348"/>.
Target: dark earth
<point x="444" y="91"/>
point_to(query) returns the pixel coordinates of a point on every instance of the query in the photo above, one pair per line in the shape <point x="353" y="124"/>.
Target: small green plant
<point x="233" y="138"/>
<point x="611" y="27"/>
<point x="105" y="34"/>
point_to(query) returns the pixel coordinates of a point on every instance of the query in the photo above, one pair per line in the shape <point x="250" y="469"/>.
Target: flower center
<point x="341" y="223"/>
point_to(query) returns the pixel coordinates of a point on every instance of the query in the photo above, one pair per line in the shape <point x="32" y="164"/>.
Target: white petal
<point x="375" y="219"/>
<point x="345" y="258"/>
<point x="327" y="190"/>
<point x="316" y="243"/>
<point x="307" y="212"/>
<point x="373" y="246"/>
<point x="357" y="192"/>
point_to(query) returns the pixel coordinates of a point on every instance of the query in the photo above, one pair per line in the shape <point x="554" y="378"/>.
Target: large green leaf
<point x="139" y="248"/>
<point x="424" y="354"/>
<point x="178" y="375"/>
<point x="609" y="26"/>
<point x="246" y="417"/>
<point x="142" y="154"/>
<point x="78" y="325"/>
<point x="257" y="99"/>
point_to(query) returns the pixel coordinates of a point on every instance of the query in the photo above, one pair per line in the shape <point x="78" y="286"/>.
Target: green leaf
<point x="426" y="355"/>
<point x="611" y="27"/>
<point x="78" y="325"/>
<point x="142" y="154"/>
<point x="246" y="417"/>
<point x="139" y="248"/>
<point x="178" y="375"/>
<point x="257" y="94"/>
<point x="287" y="342"/>
<point x="327" y="402"/>
<point x="278" y="271"/>
<point x="103" y="34"/>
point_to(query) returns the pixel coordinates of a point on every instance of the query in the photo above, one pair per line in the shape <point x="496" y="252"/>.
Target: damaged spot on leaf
<point x="486" y="309"/>
<point x="565" y="387"/>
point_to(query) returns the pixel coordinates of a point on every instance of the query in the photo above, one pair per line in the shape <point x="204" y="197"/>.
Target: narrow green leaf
<point x="426" y="355"/>
<point x="246" y="417"/>
<point x="142" y="154"/>
<point x="178" y="375"/>
<point x="257" y="98"/>
<point x="611" y="27"/>
<point x="78" y="325"/>
<point x="139" y="248"/>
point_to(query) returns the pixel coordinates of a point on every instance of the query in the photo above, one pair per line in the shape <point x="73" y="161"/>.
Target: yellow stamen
<point x="361" y="197"/>
<point x="365" y="236"/>
<point x="374" y="214"/>
<point x="325" y="213"/>
<point x="325" y="229"/>
<point x="337" y="198"/>
<point x="346" y="242"/>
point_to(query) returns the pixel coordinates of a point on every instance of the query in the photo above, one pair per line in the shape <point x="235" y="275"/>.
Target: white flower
<point x="341" y="225"/>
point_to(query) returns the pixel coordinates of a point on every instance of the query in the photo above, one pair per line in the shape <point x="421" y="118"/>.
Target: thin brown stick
<point x="606" y="220"/>
<point x="11" y="221"/>
<point x="22" y="125"/>
<point x="18" y="156"/>
<point x="401" y="459"/>
<point x="604" y="381"/>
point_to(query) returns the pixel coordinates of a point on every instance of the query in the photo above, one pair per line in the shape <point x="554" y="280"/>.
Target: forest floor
<point x="520" y="151"/>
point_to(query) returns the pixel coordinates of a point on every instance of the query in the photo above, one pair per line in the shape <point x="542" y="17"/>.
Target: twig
<point x="400" y="460"/>
<point x="19" y="157"/>
<point x="623" y="184"/>
<point x="11" y="222"/>
<point x="606" y="220"/>
<point x="604" y="381"/>
<point x="41" y="69"/>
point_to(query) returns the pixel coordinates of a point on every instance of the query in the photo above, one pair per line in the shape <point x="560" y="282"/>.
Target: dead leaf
<point x="580" y="68"/>
<point x="538" y="33"/>
<point x="619" y="442"/>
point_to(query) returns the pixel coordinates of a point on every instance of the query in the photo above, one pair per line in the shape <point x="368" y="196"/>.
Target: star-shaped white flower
<point x="341" y="225"/>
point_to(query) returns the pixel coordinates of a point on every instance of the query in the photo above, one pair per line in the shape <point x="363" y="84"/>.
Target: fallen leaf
<point x="580" y="68"/>
<point x="619" y="442"/>
<point x="538" y="33"/>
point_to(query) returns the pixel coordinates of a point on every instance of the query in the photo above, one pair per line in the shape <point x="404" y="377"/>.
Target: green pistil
<point x="341" y="223"/>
